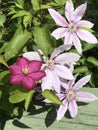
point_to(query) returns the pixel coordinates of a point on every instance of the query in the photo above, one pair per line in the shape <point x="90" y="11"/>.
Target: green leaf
<point x="60" y="2"/>
<point x="51" y="96"/>
<point x="86" y="28"/>
<point x="27" y="19"/>
<point x="28" y="99"/>
<point x="36" y="4"/>
<point x="92" y="60"/>
<point x="2" y="60"/>
<point x="2" y="19"/>
<point x="19" y="14"/>
<point x="0" y="93"/>
<point x="16" y="43"/>
<point x="82" y="69"/>
<point x="19" y="3"/>
<point x="3" y="74"/>
<point x="43" y="39"/>
<point x="87" y="47"/>
<point x="18" y="94"/>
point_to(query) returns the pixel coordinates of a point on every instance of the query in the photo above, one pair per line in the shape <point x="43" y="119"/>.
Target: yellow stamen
<point x="25" y="70"/>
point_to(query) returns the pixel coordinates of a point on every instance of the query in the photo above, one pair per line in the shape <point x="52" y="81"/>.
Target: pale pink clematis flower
<point x="26" y="72"/>
<point x="71" y="95"/>
<point x="58" y="65"/>
<point x="74" y="28"/>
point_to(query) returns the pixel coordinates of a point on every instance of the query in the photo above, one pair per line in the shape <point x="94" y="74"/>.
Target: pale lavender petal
<point x="34" y="66"/>
<point x="56" y="82"/>
<point x="63" y="72"/>
<point x="85" y="97"/>
<point x="38" y="75"/>
<point x="59" y="33"/>
<point x="77" y="43"/>
<point x="73" y="108"/>
<point x="86" y="36"/>
<point x="68" y="39"/>
<point x="22" y="62"/>
<point x="28" y="82"/>
<point x="57" y="18"/>
<point x="62" y="110"/>
<point x="71" y="82"/>
<point x="79" y="12"/>
<point x="57" y="51"/>
<point x="32" y="56"/>
<point x="67" y="58"/>
<point x="61" y="96"/>
<point x="16" y="79"/>
<point x="47" y="81"/>
<point x="69" y="9"/>
<point x="82" y="82"/>
<point x="84" y="23"/>
<point x="69" y="6"/>
<point x="15" y="69"/>
<point x="69" y="16"/>
<point x="46" y="84"/>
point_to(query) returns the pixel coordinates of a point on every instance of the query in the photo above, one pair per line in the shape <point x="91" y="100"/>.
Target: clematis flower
<point x="26" y="72"/>
<point x="70" y="95"/>
<point x="74" y="28"/>
<point x="58" y="65"/>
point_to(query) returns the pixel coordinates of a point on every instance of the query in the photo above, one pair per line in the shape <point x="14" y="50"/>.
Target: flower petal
<point x="84" y="23"/>
<point x="22" y="62"/>
<point x="56" y="82"/>
<point x="85" y="97"/>
<point x="47" y="81"/>
<point x="32" y="56"/>
<point x="86" y="36"/>
<point x="61" y="96"/>
<point x="38" y="75"/>
<point x="62" y="110"/>
<point x="28" y="82"/>
<point x="69" y="6"/>
<point x="82" y="82"/>
<point x="57" y="51"/>
<point x="67" y="58"/>
<point x="63" y="72"/>
<point x="79" y="12"/>
<point x="57" y="18"/>
<point x="77" y="43"/>
<point x="73" y="108"/>
<point x="69" y="9"/>
<point x="71" y="82"/>
<point x="16" y="79"/>
<point x="68" y="40"/>
<point x="59" y="33"/>
<point x="15" y="70"/>
<point x="34" y="66"/>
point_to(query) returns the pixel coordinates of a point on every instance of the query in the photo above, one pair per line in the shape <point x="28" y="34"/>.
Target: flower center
<point x="50" y="64"/>
<point x="25" y="70"/>
<point x="72" y="27"/>
<point x="70" y="95"/>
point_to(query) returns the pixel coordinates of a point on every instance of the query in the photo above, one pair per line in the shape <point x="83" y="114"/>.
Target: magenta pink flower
<point x="26" y="72"/>
<point x="73" y="29"/>
<point x="71" y="95"/>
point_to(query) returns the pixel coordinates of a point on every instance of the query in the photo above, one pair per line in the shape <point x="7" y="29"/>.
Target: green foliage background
<point x="24" y="23"/>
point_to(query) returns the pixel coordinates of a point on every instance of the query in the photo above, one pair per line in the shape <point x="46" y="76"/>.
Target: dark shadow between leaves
<point x="50" y="117"/>
<point x="82" y="103"/>
<point x="19" y="124"/>
<point x="32" y="109"/>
